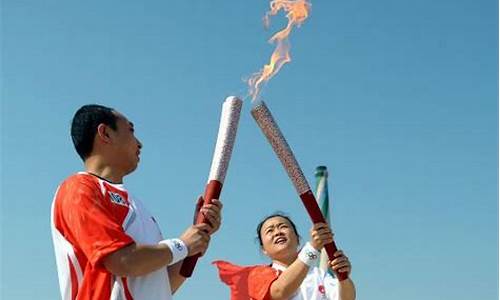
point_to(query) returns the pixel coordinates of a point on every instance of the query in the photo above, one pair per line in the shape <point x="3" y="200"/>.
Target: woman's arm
<point x="341" y="263"/>
<point x="291" y="279"/>
<point x="347" y="291"/>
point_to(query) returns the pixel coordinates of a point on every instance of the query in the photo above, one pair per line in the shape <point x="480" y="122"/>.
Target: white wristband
<point x="178" y="249"/>
<point x="309" y="255"/>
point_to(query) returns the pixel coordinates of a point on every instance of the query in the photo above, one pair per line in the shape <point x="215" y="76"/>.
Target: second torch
<point x="268" y="125"/>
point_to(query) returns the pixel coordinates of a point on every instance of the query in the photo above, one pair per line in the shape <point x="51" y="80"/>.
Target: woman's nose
<point x="278" y="233"/>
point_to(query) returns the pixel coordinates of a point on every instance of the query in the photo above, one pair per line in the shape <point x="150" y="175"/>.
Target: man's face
<point x="126" y="147"/>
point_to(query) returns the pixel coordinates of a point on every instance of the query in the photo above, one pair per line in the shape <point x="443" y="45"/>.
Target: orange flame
<point x="297" y="12"/>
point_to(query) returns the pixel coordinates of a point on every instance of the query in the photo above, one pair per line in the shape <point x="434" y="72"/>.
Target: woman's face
<point x="278" y="238"/>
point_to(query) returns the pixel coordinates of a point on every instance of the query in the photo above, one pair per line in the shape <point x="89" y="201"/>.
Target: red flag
<point x="249" y="282"/>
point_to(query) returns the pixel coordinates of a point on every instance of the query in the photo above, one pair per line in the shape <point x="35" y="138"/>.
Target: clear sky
<point x="399" y="99"/>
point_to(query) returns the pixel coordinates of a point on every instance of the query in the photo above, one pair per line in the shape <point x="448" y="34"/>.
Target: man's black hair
<point x="84" y="126"/>
<point x="276" y="214"/>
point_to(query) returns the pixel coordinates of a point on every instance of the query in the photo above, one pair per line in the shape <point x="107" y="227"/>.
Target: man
<point x="107" y="244"/>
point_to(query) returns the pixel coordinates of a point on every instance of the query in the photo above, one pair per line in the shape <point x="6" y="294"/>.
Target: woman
<point x="292" y="275"/>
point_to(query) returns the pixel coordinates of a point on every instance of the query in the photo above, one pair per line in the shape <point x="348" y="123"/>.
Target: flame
<point x="297" y="12"/>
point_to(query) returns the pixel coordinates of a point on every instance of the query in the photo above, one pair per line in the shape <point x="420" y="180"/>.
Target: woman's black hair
<point x="276" y="214"/>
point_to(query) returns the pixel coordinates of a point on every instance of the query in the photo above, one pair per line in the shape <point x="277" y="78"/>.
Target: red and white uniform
<point x="318" y="285"/>
<point x="254" y="282"/>
<point x="92" y="218"/>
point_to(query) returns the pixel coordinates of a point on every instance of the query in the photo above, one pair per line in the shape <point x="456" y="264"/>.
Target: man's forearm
<point x="347" y="290"/>
<point x="138" y="260"/>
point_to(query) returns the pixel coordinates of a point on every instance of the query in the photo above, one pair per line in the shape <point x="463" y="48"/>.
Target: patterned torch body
<point x="269" y="127"/>
<point x="228" y="127"/>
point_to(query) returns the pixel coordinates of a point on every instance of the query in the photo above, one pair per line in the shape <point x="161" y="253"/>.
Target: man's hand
<point x="341" y="263"/>
<point x="320" y="235"/>
<point x="212" y="213"/>
<point x="196" y="238"/>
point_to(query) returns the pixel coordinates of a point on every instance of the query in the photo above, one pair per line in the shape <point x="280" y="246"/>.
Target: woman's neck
<point x="286" y="261"/>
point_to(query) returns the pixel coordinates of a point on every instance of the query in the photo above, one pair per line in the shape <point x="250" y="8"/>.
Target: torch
<point x="228" y="126"/>
<point x="270" y="128"/>
<point x="323" y="202"/>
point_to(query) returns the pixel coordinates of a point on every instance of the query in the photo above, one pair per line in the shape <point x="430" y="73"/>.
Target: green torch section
<point x="323" y="202"/>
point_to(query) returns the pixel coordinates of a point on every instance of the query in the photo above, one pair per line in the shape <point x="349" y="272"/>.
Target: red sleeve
<point x="93" y="224"/>
<point x="250" y="282"/>
<point x="259" y="282"/>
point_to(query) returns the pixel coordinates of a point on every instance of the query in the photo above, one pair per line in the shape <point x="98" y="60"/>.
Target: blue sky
<point x="399" y="99"/>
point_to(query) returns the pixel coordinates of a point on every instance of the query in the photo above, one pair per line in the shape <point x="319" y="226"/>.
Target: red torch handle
<point x="316" y="216"/>
<point x="212" y="191"/>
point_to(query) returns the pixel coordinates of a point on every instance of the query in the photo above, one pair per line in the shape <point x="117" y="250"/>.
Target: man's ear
<point x="103" y="133"/>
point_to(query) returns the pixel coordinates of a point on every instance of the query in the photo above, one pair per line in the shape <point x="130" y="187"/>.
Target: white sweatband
<point x="178" y="249"/>
<point x="309" y="255"/>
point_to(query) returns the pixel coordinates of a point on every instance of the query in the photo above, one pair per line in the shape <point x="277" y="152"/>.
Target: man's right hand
<point x="196" y="238"/>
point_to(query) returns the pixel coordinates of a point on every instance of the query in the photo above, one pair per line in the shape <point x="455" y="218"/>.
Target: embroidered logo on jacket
<point x="321" y="289"/>
<point x="117" y="199"/>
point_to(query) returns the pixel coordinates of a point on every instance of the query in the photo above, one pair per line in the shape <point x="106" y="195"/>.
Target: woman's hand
<point x="320" y="235"/>
<point x="341" y="263"/>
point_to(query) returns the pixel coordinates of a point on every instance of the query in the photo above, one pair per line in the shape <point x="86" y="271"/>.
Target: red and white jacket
<point x="254" y="282"/>
<point x="92" y="218"/>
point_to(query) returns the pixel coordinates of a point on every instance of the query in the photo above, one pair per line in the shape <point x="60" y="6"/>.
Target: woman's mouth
<point x="280" y="240"/>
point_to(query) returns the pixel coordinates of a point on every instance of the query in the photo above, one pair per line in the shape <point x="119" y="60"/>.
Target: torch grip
<point x="212" y="191"/>
<point x="317" y="217"/>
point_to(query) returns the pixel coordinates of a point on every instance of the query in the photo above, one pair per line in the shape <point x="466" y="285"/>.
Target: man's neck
<point x="95" y="166"/>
